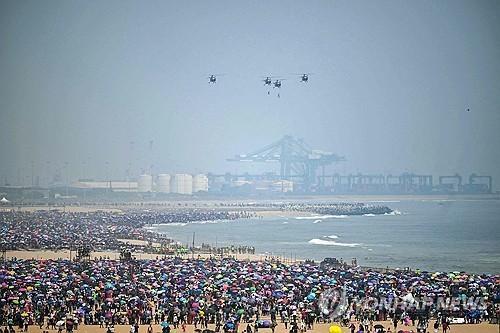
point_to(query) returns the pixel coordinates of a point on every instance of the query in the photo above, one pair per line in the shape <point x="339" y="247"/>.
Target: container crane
<point x="297" y="160"/>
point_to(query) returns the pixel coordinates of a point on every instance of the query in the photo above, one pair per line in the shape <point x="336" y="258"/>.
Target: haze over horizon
<point x="99" y="88"/>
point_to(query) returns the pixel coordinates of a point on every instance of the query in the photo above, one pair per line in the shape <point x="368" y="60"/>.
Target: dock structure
<point x="298" y="162"/>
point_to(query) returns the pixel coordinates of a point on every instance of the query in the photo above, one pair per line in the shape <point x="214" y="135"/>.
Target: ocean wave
<point x="332" y="236"/>
<point x="317" y="217"/>
<point x="394" y="212"/>
<point x="369" y="215"/>
<point x="317" y="241"/>
<point x="209" y="222"/>
<point x="285" y="222"/>
<point x="173" y="224"/>
<point x="377" y="245"/>
<point x="317" y="221"/>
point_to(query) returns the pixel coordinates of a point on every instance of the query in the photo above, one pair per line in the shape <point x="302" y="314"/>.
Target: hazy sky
<point x="81" y="80"/>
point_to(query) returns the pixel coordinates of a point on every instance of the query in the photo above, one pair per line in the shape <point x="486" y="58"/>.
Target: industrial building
<point x="184" y="184"/>
<point x="115" y="186"/>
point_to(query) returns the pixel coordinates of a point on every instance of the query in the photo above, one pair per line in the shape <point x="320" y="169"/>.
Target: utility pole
<point x="32" y="174"/>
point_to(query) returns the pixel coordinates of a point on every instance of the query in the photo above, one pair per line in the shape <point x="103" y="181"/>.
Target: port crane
<point x="298" y="162"/>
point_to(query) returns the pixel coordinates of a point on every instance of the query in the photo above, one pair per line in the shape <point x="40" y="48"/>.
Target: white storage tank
<point x="182" y="184"/>
<point x="200" y="183"/>
<point x="145" y="183"/>
<point x="163" y="185"/>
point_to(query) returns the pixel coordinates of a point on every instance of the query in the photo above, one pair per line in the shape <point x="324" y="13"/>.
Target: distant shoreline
<point x="197" y="202"/>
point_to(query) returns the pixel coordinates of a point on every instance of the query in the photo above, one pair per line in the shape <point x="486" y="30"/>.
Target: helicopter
<point x="212" y="79"/>
<point x="267" y="81"/>
<point x="277" y="83"/>
<point x="304" y="78"/>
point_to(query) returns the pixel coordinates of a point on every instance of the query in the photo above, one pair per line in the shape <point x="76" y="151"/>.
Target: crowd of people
<point x="222" y="250"/>
<point x="340" y="208"/>
<point x="324" y="208"/>
<point x="231" y="295"/>
<point x="191" y="215"/>
<point x="100" y="230"/>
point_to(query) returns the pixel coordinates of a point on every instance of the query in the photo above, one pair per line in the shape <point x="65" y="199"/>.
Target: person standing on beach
<point x="285" y="319"/>
<point x="446" y="326"/>
<point x="436" y="326"/>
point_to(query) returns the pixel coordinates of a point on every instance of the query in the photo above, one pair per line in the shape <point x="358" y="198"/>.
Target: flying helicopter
<point x="212" y="78"/>
<point x="277" y="83"/>
<point x="267" y="81"/>
<point x="304" y="77"/>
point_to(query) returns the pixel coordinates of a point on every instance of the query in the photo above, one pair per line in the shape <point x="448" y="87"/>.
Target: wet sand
<point x="318" y="328"/>
<point x="65" y="254"/>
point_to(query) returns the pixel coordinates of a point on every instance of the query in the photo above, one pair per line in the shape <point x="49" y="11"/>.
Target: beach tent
<point x="4" y="201"/>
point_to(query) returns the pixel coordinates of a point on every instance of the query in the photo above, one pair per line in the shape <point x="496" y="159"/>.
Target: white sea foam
<point x="285" y="222"/>
<point x="332" y="236"/>
<point x="209" y="222"/>
<point x="317" y="221"/>
<point x="380" y="245"/>
<point x="174" y="224"/>
<point x="369" y="215"/>
<point x="317" y="217"/>
<point x="394" y="212"/>
<point x="317" y="241"/>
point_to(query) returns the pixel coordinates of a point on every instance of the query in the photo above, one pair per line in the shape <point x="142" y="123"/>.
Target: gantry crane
<point x="297" y="160"/>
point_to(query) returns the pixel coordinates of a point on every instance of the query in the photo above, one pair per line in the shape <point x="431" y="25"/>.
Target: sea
<point x="442" y="235"/>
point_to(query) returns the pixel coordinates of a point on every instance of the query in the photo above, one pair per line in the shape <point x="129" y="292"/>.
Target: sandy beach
<point x="112" y="231"/>
<point x="318" y="328"/>
<point x="65" y="254"/>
